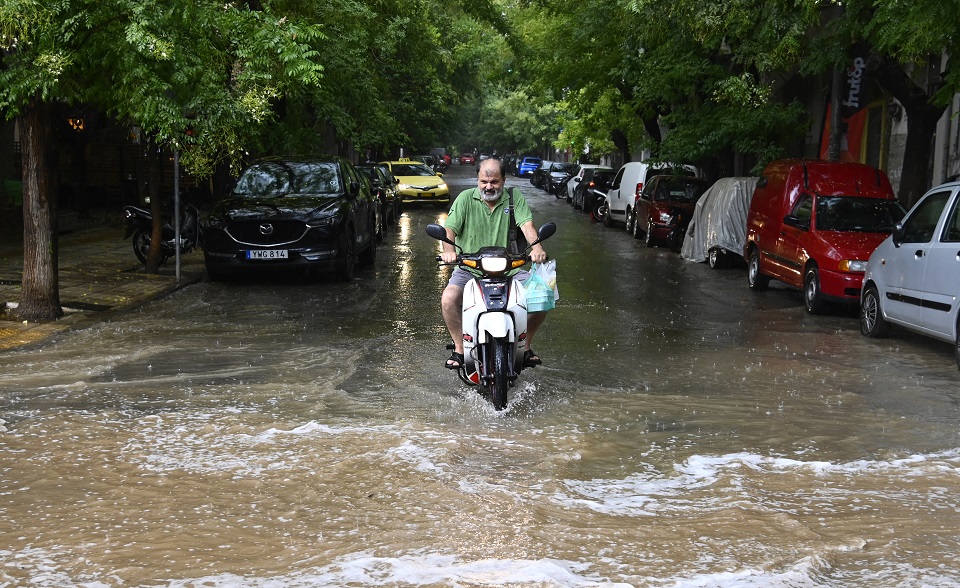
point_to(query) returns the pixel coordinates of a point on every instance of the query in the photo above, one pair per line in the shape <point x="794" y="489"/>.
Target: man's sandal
<point x="531" y="359"/>
<point x="454" y="362"/>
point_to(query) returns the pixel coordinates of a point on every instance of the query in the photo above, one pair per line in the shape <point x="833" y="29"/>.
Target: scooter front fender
<point x="495" y="325"/>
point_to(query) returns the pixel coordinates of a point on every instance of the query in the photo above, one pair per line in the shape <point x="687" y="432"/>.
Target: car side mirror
<point x="897" y="235"/>
<point x="354" y="189"/>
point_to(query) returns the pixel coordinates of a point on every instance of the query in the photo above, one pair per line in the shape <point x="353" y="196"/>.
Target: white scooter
<point x="495" y="310"/>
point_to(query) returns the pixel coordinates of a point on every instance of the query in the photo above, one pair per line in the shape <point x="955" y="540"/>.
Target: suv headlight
<point x="323" y="221"/>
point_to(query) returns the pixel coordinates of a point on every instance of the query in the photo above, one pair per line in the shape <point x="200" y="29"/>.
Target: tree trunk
<point x="154" y="179"/>
<point x="915" y="175"/>
<point x="621" y="142"/>
<point x="922" y="118"/>
<point x="40" y="284"/>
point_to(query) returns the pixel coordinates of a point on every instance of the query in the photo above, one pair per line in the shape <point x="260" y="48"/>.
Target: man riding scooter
<point x="479" y="217"/>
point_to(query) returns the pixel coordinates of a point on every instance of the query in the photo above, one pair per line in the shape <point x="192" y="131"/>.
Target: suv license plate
<point x="267" y="254"/>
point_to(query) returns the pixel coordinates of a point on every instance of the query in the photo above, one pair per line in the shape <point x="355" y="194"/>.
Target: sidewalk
<point x="99" y="276"/>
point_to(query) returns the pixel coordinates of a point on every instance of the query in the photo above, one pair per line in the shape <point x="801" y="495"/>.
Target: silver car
<point x="913" y="277"/>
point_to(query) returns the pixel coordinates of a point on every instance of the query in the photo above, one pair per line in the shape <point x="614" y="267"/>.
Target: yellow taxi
<point x="416" y="182"/>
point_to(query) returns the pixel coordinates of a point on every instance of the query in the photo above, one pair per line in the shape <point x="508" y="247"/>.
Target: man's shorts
<point x="460" y="277"/>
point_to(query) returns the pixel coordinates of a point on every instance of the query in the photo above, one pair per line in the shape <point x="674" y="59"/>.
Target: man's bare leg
<point x="451" y="306"/>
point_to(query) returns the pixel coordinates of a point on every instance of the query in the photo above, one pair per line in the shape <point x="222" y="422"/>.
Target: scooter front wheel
<point x="501" y="373"/>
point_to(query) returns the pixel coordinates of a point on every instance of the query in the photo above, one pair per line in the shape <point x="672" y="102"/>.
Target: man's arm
<point x="537" y="253"/>
<point x="449" y="254"/>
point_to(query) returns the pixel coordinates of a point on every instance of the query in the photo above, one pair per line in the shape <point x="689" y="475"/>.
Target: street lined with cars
<point x="831" y="231"/>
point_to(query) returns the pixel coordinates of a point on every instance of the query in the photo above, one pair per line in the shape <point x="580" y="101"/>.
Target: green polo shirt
<point x="477" y="226"/>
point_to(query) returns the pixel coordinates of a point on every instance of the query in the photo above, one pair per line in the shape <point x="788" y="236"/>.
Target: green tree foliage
<point x="723" y="77"/>
<point x="171" y="66"/>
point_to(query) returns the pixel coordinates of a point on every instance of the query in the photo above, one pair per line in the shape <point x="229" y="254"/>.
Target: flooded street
<point x="683" y="431"/>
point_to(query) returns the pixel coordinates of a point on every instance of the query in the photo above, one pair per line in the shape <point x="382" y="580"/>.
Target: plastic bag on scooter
<point x="541" y="287"/>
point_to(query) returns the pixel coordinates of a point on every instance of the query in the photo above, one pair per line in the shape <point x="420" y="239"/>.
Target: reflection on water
<point x="682" y="432"/>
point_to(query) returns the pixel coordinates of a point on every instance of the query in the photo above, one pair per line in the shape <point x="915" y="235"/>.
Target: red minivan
<point x="813" y="225"/>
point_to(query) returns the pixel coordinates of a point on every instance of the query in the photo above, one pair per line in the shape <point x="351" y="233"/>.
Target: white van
<point x="628" y="183"/>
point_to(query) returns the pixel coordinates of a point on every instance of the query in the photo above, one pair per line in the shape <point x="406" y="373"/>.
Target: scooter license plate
<point x="267" y="254"/>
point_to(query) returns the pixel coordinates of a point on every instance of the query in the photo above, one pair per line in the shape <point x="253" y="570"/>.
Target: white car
<point x="913" y="277"/>
<point x="627" y="185"/>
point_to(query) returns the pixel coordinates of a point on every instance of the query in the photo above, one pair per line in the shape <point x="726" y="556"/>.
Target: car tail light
<point x="636" y="195"/>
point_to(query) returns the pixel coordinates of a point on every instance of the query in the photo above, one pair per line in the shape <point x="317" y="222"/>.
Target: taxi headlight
<point x="442" y="186"/>
<point x="853" y="265"/>
<point x="493" y="264"/>
<point x="402" y="186"/>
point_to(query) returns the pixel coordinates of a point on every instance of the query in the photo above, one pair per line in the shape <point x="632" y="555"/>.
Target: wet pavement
<point x="683" y="431"/>
<point x="99" y="276"/>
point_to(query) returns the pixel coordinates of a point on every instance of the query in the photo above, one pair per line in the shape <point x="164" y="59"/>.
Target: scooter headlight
<point x="493" y="265"/>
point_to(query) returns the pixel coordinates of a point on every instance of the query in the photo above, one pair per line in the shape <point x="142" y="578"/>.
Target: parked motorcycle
<point x="559" y="189"/>
<point x="494" y="316"/>
<point x="678" y="224"/>
<point x="595" y="200"/>
<point x="140" y="226"/>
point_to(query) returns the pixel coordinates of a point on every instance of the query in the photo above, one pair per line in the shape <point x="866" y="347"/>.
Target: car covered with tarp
<point x="718" y="228"/>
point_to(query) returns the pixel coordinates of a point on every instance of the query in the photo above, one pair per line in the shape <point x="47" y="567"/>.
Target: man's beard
<point x="491" y="195"/>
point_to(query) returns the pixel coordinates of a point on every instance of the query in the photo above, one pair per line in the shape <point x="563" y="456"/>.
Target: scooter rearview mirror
<point x="437" y="232"/>
<point x="546" y="231"/>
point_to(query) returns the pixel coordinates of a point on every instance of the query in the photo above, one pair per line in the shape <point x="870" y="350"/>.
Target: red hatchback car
<point x="813" y="225"/>
<point x="467" y="159"/>
<point x="660" y="201"/>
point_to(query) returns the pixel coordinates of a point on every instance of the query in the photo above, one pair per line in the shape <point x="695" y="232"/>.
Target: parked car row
<point x="833" y="230"/>
<point x="314" y="212"/>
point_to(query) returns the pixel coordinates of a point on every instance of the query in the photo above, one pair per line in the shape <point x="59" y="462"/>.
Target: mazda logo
<point x="266" y="229"/>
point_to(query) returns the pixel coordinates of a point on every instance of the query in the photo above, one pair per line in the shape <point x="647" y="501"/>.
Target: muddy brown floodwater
<point x="683" y="431"/>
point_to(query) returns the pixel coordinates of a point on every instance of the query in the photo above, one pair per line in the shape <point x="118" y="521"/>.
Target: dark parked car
<point x="594" y="183"/>
<point x="309" y="212"/>
<point x="510" y="163"/>
<point x="558" y="176"/>
<point x="539" y="176"/>
<point x="384" y="186"/>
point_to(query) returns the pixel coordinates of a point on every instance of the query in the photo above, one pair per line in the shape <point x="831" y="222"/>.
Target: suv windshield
<point x="273" y="179"/>
<point x="866" y="215"/>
